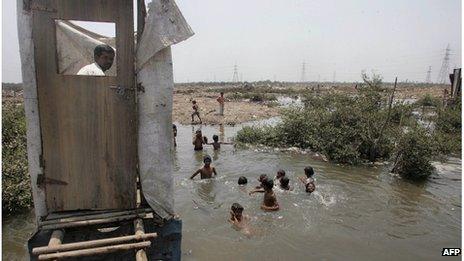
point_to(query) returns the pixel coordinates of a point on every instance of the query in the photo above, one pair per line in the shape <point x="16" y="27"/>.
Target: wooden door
<point x="88" y="127"/>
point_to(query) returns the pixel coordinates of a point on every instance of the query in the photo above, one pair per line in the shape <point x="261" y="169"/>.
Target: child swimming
<point x="284" y="183"/>
<point x="242" y="180"/>
<point x="238" y="220"/>
<point x="280" y="174"/>
<point x="207" y="171"/>
<point x="261" y="178"/>
<point x="309" y="186"/>
<point x="269" y="200"/>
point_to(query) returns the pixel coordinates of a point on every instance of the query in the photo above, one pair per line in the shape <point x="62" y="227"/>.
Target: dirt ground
<point x="237" y="111"/>
<point x="234" y="111"/>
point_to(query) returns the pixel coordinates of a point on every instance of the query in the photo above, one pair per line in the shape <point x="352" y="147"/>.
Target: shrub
<point x="16" y="189"/>
<point x="414" y="155"/>
<point x="428" y="100"/>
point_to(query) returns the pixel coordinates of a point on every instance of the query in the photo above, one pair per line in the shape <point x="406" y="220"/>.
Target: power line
<point x="429" y="73"/>
<point x="303" y="72"/>
<point x="235" y="77"/>
<point x="443" y="74"/>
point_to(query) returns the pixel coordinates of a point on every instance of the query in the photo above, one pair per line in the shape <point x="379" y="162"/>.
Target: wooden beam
<point x="94" y="221"/>
<point x="94" y="216"/>
<point x="95" y="251"/>
<point x="91" y="243"/>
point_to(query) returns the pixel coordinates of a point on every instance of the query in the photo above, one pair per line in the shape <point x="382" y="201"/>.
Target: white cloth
<point x="91" y="69"/>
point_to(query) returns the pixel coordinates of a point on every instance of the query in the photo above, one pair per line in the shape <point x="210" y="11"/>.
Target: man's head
<point x="198" y="133"/>
<point x="284" y="182"/>
<point x="207" y="160"/>
<point x="103" y="55"/>
<point x="237" y="209"/>
<point x="222" y="94"/>
<point x="268" y="184"/>
<point x="280" y="173"/>
<point x="309" y="171"/>
<point x="194" y="102"/>
<point x="215" y="138"/>
<point x="242" y="180"/>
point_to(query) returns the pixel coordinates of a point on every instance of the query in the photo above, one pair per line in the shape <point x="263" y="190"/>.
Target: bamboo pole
<point x="91" y="243"/>
<point x="56" y="238"/>
<point x="140" y="255"/>
<point x="95" y="251"/>
<point x="94" y="221"/>
<point x="93" y="216"/>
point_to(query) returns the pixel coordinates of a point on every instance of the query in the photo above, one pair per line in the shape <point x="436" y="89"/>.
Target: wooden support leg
<point x="56" y="239"/>
<point x="140" y="255"/>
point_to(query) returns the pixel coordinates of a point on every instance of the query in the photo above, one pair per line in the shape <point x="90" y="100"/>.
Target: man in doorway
<point x="221" y="100"/>
<point x="103" y="55"/>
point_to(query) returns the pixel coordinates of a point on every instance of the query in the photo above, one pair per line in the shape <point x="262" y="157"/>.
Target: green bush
<point x="414" y="155"/>
<point x="16" y="189"/>
<point x="428" y="100"/>
<point x="346" y="129"/>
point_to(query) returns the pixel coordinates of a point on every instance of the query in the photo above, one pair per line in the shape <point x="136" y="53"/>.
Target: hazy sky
<point x="271" y="39"/>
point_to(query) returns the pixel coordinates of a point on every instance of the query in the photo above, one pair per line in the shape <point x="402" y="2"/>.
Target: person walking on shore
<point x="221" y="100"/>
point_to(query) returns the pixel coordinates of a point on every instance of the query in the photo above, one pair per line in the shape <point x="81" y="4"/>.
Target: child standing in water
<point x="196" y="111"/>
<point x="284" y="183"/>
<point x="198" y="141"/>
<point x="207" y="171"/>
<point x="270" y="200"/>
<point x="216" y="144"/>
<point x="308" y="181"/>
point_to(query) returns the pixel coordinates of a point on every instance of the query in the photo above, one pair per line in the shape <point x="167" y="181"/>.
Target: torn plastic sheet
<point x="164" y="26"/>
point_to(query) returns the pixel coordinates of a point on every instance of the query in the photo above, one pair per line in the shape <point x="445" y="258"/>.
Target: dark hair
<point x="222" y="93"/>
<point x="101" y="48"/>
<point x="262" y="177"/>
<point x="236" y="207"/>
<point x="174" y="126"/>
<point x="309" y="171"/>
<point x="194" y="101"/>
<point x="206" y="157"/>
<point x="268" y="184"/>
<point x="281" y="171"/>
<point x="310" y="187"/>
<point x="284" y="181"/>
<point x="215" y="137"/>
<point x="242" y="180"/>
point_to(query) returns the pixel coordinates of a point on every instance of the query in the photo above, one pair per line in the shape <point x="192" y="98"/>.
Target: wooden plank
<point x="88" y="131"/>
<point x="96" y="216"/>
<point x="92" y="243"/>
<point x="94" y="221"/>
<point x="95" y="251"/>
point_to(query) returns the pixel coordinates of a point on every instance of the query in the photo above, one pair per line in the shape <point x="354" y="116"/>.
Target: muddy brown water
<point x="356" y="213"/>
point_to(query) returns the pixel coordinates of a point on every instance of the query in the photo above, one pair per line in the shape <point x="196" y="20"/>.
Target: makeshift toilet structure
<point x="99" y="148"/>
